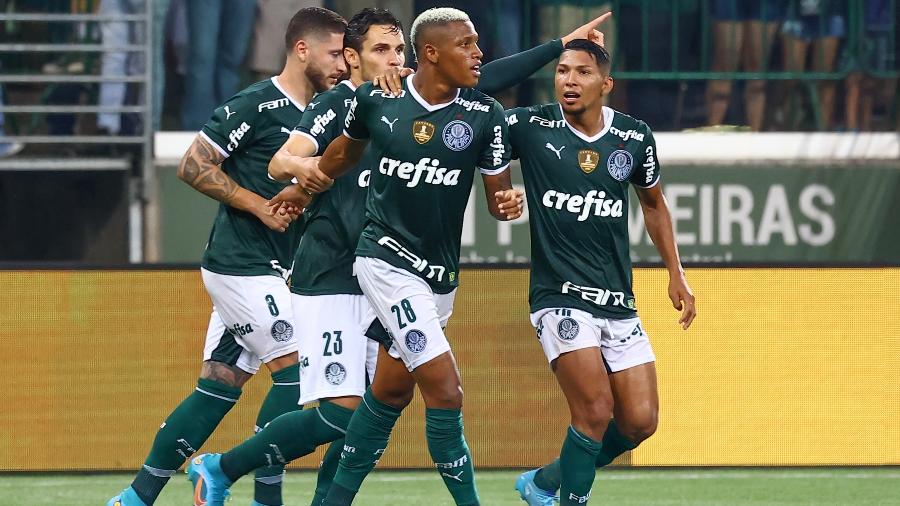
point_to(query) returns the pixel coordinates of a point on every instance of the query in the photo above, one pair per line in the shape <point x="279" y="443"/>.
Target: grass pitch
<point x="620" y="487"/>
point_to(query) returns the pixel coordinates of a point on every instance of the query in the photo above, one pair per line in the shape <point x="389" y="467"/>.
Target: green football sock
<point x="450" y="453"/>
<point x="367" y="437"/>
<point x="186" y="429"/>
<point x="577" y="462"/>
<point x="548" y="477"/>
<point x="282" y="398"/>
<point x="614" y="444"/>
<point x="326" y="471"/>
<point x="288" y="437"/>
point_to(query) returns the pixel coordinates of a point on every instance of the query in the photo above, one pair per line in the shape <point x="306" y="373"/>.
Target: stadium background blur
<point x="785" y="217"/>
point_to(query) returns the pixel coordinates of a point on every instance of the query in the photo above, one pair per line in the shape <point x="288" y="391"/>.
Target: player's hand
<point x="597" y="37"/>
<point x="310" y="178"/>
<point x="277" y="221"/>
<point x="289" y="209"/>
<point x="588" y="31"/>
<point x="683" y="300"/>
<point x="392" y="80"/>
<point x="294" y="194"/>
<point x="510" y="203"/>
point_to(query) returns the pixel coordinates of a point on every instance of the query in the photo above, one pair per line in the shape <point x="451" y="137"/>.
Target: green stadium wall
<point x="795" y="214"/>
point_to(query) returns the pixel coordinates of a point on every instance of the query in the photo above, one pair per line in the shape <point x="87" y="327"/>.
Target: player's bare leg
<point x="391" y="391"/>
<point x="186" y="429"/>
<point x="636" y="411"/>
<point x="583" y="380"/>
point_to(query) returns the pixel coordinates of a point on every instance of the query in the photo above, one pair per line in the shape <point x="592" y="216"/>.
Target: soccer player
<point x="578" y="160"/>
<point x="246" y="260"/>
<point x="428" y="141"/>
<point x="327" y="296"/>
<point x="331" y="313"/>
<point x="426" y="144"/>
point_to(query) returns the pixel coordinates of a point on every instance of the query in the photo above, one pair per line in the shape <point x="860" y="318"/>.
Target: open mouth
<point x="570" y="97"/>
<point x="476" y="70"/>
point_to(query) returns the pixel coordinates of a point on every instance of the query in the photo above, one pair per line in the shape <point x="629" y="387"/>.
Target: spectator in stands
<point x="553" y="17"/>
<point x="401" y="9"/>
<point x="743" y="32"/>
<point x="7" y="148"/>
<point x="116" y="34"/>
<point x="874" y="52"/>
<point x="267" y="51"/>
<point x="219" y="34"/>
<point x="818" y="25"/>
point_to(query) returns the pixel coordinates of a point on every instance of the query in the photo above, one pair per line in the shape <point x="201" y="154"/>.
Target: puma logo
<point x="228" y="112"/>
<point x="457" y="477"/>
<point x="557" y="151"/>
<point x="389" y="123"/>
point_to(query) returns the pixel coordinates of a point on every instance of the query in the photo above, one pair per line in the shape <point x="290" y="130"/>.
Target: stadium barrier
<point x="735" y="198"/>
<point x="783" y="367"/>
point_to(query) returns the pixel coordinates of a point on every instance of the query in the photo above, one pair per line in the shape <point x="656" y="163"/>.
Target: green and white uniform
<point x="577" y="192"/>
<point x="245" y="263"/>
<point x="337" y="359"/>
<point x="425" y="160"/>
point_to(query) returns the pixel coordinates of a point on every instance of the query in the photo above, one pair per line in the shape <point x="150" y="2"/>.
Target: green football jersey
<point x="323" y="264"/>
<point x="248" y="129"/>
<point x="577" y="192"/>
<point x="425" y="158"/>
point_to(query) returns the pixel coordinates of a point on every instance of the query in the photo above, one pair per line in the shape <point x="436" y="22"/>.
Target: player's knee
<point x="448" y="395"/>
<point x="397" y="398"/>
<point x="592" y="417"/>
<point x="223" y="373"/>
<point x="640" y="429"/>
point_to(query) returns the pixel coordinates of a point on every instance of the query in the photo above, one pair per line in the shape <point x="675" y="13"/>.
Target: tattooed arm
<point x="200" y="168"/>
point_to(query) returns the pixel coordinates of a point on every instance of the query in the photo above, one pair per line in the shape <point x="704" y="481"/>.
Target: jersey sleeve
<point x="515" y="124"/>
<point x="322" y="121"/>
<point x="231" y="126"/>
<point x="494" y="157"/>
<point x="509" y="71"/>
<point x="646" y="171"/>
<point x="355" y="122"/>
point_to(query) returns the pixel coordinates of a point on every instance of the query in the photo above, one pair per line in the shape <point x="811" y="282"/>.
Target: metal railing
<point x="853" y="12"/>
<point x="139" y="164"/>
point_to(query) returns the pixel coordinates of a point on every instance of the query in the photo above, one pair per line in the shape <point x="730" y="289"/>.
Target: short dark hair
<point x="312" y="21"/>
<point x="360" y="24"/>
<point x="599" y="53"/>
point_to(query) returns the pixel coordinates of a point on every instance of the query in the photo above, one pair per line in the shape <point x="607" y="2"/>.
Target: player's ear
<point x="352" y="57"/>
<point x="431" y="53"/>
<point x="608" y="84"/>
<point x="301" y="50"/>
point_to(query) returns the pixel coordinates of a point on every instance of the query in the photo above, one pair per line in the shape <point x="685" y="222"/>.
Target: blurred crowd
<point x="813" y="64"/>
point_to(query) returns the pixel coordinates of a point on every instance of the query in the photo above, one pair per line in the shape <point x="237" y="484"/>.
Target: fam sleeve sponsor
<point x="496" y="153"/>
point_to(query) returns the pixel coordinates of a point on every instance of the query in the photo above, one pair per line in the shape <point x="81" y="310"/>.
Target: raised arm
<point x="200" y="168"/>
<point x="658" y="220"/>
<point x="506" y="72"/>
